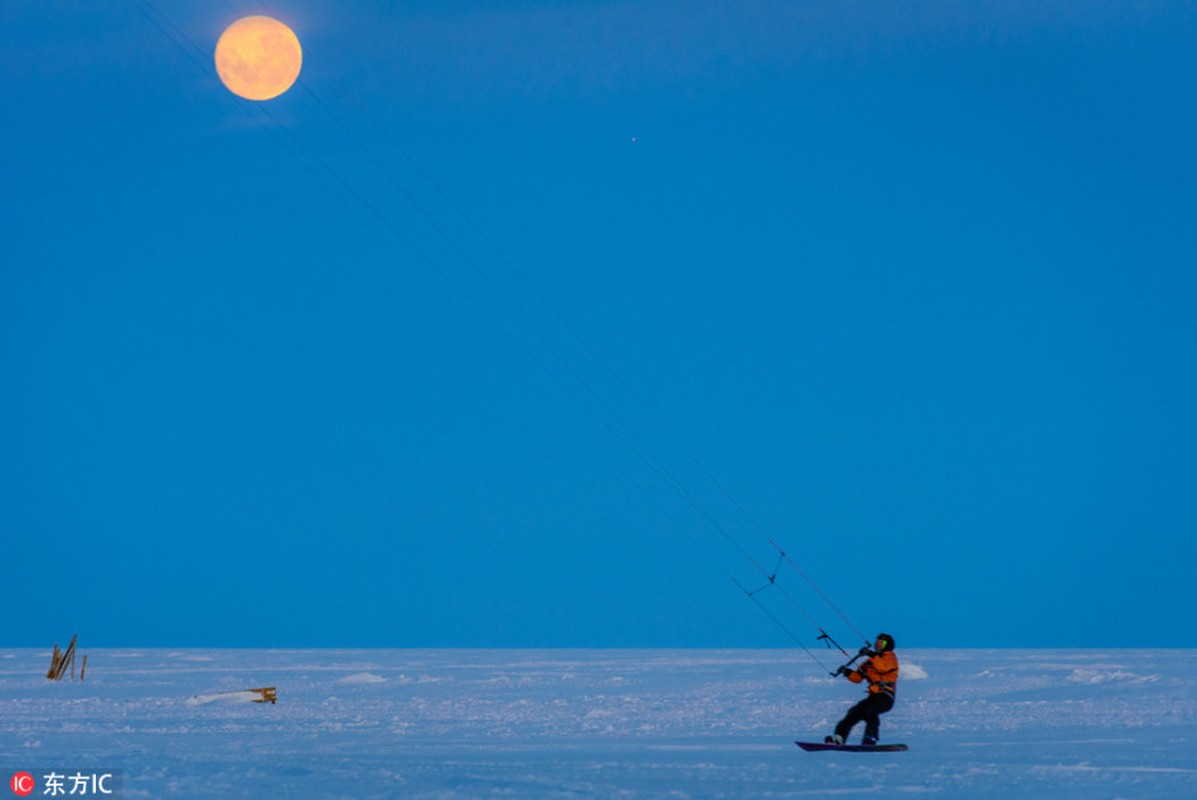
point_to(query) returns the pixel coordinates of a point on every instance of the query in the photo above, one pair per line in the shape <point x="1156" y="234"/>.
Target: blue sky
<point x="489" y="331"/>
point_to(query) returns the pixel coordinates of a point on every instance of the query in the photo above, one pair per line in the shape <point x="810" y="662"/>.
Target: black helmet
<point x="886" y="641"/>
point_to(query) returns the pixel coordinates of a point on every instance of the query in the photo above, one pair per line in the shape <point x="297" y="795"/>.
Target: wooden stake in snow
<point x="54" y="663"/>
<point x="269" y="694"/>
<point x="62" y="660"/>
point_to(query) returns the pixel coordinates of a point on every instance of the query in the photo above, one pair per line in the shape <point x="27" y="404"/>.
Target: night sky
<point x="530" y="324"/>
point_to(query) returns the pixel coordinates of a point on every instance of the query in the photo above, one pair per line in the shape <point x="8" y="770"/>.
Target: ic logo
<point x="21" y="784"/>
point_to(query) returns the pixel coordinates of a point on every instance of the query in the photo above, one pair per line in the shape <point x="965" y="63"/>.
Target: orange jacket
<point x="881" y="671"/>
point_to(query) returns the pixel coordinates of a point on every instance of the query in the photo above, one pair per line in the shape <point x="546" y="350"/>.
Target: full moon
<point x="258" y="57"/>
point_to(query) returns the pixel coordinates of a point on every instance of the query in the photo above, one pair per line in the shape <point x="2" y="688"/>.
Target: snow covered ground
<point x="600" y="723"/>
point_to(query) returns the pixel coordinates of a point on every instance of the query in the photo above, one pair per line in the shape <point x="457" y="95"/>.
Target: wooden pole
<point x="67" y="659"/>
<point x="268" y="694"/>
<point x="53" y="663"/>
<point x="83" y="670"/>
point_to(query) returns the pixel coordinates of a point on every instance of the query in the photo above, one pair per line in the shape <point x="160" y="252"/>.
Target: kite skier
<point x="881" y="672"/>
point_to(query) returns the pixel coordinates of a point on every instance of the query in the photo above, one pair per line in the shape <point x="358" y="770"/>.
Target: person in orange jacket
<point x="881" y="672"/>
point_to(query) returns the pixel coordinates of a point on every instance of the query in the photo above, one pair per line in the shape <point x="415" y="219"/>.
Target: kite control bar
<point x="846" y="667"/>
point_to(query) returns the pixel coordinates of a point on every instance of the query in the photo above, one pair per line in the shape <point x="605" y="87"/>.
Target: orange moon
<point x="258" y="57"/>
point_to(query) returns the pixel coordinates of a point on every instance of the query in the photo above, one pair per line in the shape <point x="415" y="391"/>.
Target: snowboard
<point x="813" y="747"/>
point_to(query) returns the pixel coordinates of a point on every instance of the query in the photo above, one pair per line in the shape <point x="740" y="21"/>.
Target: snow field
<point x="601" y="723"/>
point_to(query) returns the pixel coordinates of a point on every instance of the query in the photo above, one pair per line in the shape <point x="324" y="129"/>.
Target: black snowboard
<point x="812" y="747"/>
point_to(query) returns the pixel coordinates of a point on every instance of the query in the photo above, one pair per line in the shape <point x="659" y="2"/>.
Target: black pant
<point x="869" y="710"/>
